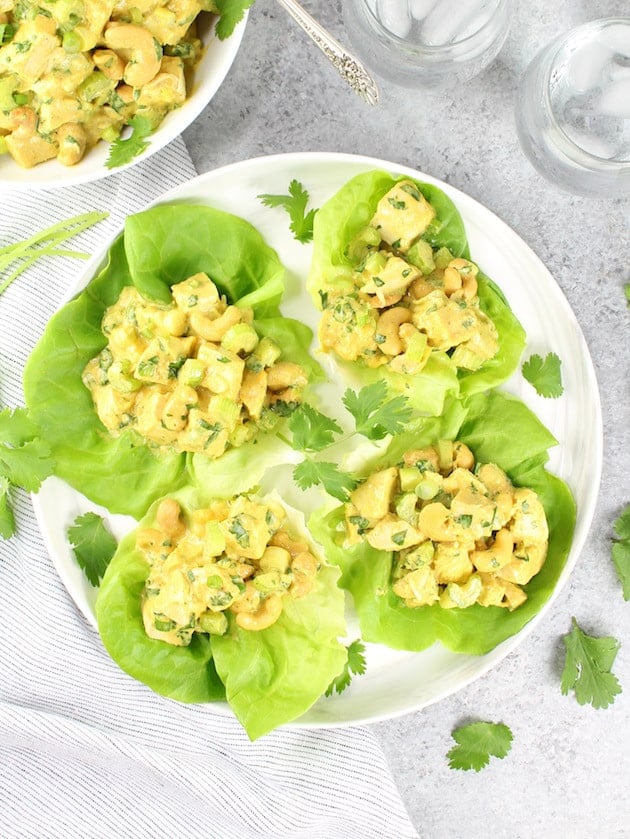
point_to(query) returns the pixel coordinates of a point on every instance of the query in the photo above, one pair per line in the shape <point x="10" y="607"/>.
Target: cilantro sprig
<point x="231" y="12"/>
<point x="544" y="374"/>
<point x="312" y="432"/>
<point x="123" y="150"/>
<point x="621" y="550"/>
<point x="587" y="668"/>
<point x="337" y="483"/>
<point x="24" y="462"/>
<point x="477" y="742"/>
<point x="355" y="665"/>
<point x="21" y="255"/>
<point x="92" y="544"/>
<point x="294" y="203"/>
<point x="375" y="415"/>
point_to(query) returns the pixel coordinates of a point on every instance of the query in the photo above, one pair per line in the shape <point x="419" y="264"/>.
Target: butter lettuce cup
<point x="174" y="356"/>
<point x="401" y="296"/>
<point x="225" y="598"/>
<point x="457" y="533"/>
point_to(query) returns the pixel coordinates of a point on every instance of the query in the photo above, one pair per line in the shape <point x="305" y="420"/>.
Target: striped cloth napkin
<point x="85" y="751"/>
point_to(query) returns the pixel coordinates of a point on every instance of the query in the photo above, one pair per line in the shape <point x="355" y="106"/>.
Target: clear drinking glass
<point x="427" y="43"/>
<point x="573" y="109"/>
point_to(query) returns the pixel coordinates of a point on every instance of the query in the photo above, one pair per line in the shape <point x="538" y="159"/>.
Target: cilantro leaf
<point x="336" y="483"/>
<point x="92" y="544"/>
<point x="231" y="12"/>
<point x="587" y="667"/>
<point x="544" y="374"/>
<point x="621" y="551"/>
<point x="295" y="204"/>
<point x="626" y="291"/>
<point x="376" y="415"/>
<point x="477" y="742"/>
<point x="312" y="431"/>
<point x="355" y="665"/>
<point x="24" y="458"/>
<point x="7" y="520"/>
<point x="122" y="151"/>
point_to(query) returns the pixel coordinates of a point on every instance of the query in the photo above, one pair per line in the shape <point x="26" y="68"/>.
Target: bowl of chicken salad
<point x="88" y="88"/>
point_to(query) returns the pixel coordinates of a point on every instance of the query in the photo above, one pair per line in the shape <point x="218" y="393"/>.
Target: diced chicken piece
<point x="402" y="215"/>
<point x="373" y="497"/>
<point x="392" y="533"/>
<point x="392" y="280"/>
<point x="445" y="322"/>
<point x="224" y="371"/>
<point x="452" y="563"/>
<point x="418" y="588"/>
<point x="527" y="560"/>
<point x="198" y="293"/>
<point x="163" y="357"/>
<point x="253" y="391"/>
<point x="348" y="327"/>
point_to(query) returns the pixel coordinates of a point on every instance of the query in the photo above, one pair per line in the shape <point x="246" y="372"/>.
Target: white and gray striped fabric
<point x="85" y="751"/>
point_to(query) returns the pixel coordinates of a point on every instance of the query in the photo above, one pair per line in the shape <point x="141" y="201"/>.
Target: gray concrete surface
<point x="567" y="773"/>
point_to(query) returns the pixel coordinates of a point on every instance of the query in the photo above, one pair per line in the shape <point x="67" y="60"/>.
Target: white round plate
<point x="208" y="76"/>
<point x="395" y="682"/>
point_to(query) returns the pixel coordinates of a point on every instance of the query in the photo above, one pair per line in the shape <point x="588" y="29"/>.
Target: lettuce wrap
<point x="268" y="677"/>
<point x="337" y="224"/>
<point x="498" y="429"/>
<point x="158" y="248"/>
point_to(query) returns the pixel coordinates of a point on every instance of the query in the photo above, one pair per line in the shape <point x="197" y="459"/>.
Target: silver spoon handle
<point x="349" y="68"/>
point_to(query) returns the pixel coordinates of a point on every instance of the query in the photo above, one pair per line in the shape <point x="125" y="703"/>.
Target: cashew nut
<point x="420" y="288"/>
<point x="109" y="63"/>
<point x="213" y="329"/>
<point x="462" y="456"/>
<point x="435" y="522"/>
<point x="388" y="325"/>
<point x="168" y="517"/>
<point x="294" y="546"/>
<point x="498" y="555"/>
<point x="452" y="280"/>
<point x="25" y="145"/>
<point x="267" y="614"/>
<point x="304" y="568"/>
<point x="414" y="456"/>
<point x="140" y="49"/>
<point x="253" y="391"/>
<point x="285" y="374"/>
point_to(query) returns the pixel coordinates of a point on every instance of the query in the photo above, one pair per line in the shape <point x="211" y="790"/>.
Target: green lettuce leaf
<point x="499" y="429"/>
<point x="159" y="247"/>
<point x="167" y="244"/>
<point x="339" y="221"/>
<point x="270" y="677"/>
<point x="188" y="673"/>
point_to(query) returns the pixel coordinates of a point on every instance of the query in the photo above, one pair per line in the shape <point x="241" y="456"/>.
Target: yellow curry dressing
<point x="192" y="375"/>
<point x="459" y="535"/>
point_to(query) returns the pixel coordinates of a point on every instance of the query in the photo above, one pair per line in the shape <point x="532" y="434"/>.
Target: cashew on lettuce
<point x="405" y="299"/>
<point x="460" y="535"/>
<point x="192" y="375"/>
<point x="233" y="558"/>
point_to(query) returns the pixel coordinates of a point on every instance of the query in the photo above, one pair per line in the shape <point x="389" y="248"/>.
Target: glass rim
<point x="430" y="49"/>
<point x="569" y="147"/>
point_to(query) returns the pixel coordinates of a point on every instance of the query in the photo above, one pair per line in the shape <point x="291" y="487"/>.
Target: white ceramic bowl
<point x="208" y="76"/>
